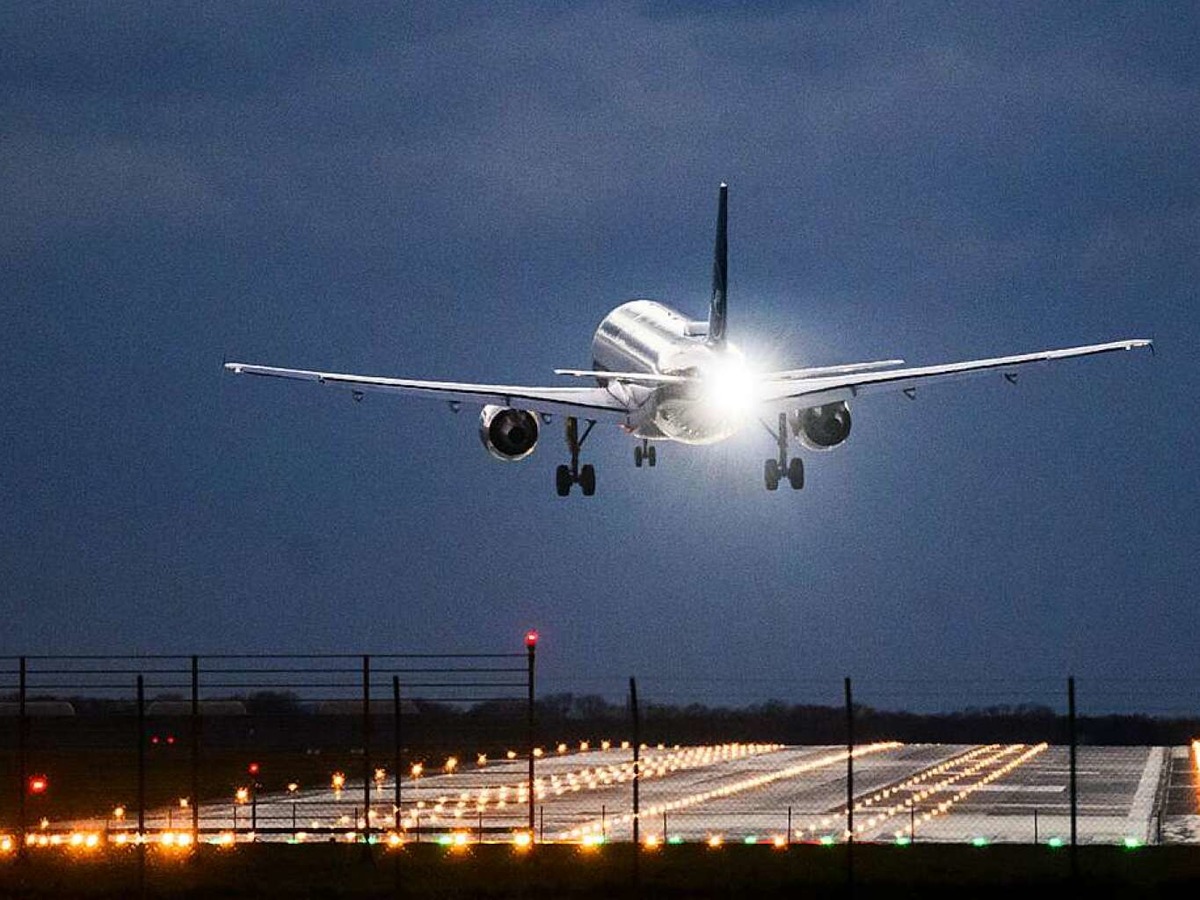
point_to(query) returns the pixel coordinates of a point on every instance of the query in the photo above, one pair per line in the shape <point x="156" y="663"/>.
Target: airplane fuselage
<point x="646" y="336"/>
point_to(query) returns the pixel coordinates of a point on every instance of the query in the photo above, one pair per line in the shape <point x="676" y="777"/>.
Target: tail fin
<point x="716" y="311"/>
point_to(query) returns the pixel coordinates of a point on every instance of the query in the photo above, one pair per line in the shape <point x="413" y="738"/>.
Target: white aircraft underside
<point x="663" y="377"/>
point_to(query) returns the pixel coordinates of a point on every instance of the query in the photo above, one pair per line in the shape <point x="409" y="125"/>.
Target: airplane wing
<point x="585" y="402"/>
<point x="807" y="392"/>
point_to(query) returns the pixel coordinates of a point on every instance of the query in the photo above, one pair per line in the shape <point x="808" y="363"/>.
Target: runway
<point x="994" y="793"/>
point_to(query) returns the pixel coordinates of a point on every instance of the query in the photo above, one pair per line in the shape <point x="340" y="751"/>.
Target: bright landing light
<point x="731" y="386"/>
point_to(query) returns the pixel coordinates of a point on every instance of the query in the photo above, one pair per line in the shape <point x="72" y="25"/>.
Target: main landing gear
<point x="774" y="470"/>
<point x="645" y="452"/>
<point x="584" y="476"/>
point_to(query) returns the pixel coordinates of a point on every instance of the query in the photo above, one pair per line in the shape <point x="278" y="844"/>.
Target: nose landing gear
<point x="584" y="476"/>
<point x="775" y="470"/>
<point x="645" y="452"/>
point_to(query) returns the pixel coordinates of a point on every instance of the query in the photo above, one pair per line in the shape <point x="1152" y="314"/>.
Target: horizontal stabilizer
<point x="636" y="377"/>
<point x="818" y="371"/>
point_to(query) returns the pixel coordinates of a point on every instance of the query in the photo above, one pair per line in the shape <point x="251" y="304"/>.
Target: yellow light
<point x="77" y="839"/>
<point x="416" y="770"/>
<point x="292" y="787"/>
<point x="605" y="745"/>
<point x="338" y="780"/>
<point x="522" y="840"/>
<point x="167" y="839"/>
<point x="183" y="840"/>
<point x="120" y="838"/>
<point x="460" y="839"/>
<point x="183" y="802"/>
<point x="451" y="764"/>
<point x="481" y="759"/>
<point x="242" y="795"/>
<point x="380" y="774"/>
<point x="45" y="823"/>
<point x="537" y="752"/>
<point x="512" y="754"/>
<point x="394" y="840"/>
<point x="583" y="745"/>
<point x="779" y="842"/>
<point x="651" y="842"/>
<point x="6" y="844"/>
<point x="715" y="841"/>
<point x="119" y="812"/>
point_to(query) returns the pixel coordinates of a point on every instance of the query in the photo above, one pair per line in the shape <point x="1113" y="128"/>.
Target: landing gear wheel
<point x="771" y="474"/>
<point x="652" y="456"/>
<point x="795" y="473"/>
<point x="563" y="480"/>
<point x="587" y="480"/>
<point x="637" y="456"/>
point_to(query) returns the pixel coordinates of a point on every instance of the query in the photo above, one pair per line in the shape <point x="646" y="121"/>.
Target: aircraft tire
<point x="587" y="480"/>
<point x="637" y="456"/>
<point x="562" y="480"/>
<point x="652" y="456"/>
<point x="771" y="474"/>
<point x="795" y="473"/>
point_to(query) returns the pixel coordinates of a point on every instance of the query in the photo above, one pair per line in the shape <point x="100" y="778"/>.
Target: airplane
<point x="662" y="376"/>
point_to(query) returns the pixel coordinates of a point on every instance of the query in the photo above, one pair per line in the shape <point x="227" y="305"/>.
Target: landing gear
<point x="775" y="470"/>
<point x="584" y="476"/>
<point x="645" y="452"/>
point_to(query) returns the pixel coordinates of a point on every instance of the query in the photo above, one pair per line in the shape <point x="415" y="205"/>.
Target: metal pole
<point x="637" y="763"/>
<point x="141" y="757"/>
<point x="849" y="784"/>
<point x="1035" y="825"/>
<point x="531" y="647"/>
<point x="789" y="831"/>
<point x="396" y="743"/>
<point x="22" y="751"/>
<point x="1074" y="786"/>
<point x="141" y="760"/>
<point x="195" y="798"/>
<point x="367" y="771"/>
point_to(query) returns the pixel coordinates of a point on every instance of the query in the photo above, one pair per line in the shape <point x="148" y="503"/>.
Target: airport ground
<point x="267" y="871"/>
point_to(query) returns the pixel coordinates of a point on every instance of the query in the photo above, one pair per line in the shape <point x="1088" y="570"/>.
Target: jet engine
<point x="509" y="434"/>
<point x="822" y="427"/>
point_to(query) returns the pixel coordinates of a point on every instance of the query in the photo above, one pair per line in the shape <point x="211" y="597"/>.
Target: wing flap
<point x="821" y="390"/>
<point x="591" y="402"/>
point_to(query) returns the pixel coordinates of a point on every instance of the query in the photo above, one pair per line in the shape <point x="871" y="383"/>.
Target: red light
<point x="252" y="768"/>
<point x="170" y="739"/>
<point x="38" y="784"/>
<point x="531" y="638"/>
<point x="154" y="740"/>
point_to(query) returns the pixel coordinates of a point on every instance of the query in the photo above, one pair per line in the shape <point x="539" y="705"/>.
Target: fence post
<point x="141" y="784"/>
<point x="22" y="755"/>
<point x="849" y="785"/>
<point x="531" y="639"/>
<point x="195" y="798"/>
<point x="367" y="770"/>
<point x="1074" y="786"/>
<point x="637" y="765"/>
<point x="396" y="746"/>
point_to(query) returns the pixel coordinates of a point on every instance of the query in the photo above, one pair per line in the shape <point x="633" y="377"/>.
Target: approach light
<point x="715" y="841"/>
<point x="38" y="784"/>
<point x="338" y="780"/>
<point x="183" y="803"/>
<point x="119" y="813"/>
<point x="451" y="764"/>
<point x="252" y="768"/>
<point x="531" y="638"/>
<point x="416" y="770"/>
<point x="292" y="787"/>
<point x="241" y="795"/>
<point x="523" y="840"/>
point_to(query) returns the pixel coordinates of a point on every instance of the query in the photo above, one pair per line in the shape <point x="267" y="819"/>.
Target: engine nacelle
<point x="509" y="434"/>
<point x="822" y="427"/>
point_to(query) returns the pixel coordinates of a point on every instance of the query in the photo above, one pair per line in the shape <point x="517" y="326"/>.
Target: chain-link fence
<point x="459" y="749"/>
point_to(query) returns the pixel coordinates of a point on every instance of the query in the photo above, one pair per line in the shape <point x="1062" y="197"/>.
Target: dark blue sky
<point x="446" y="191"/>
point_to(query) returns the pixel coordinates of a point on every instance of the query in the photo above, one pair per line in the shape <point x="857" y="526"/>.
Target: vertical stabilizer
<point x="716" y="311"/>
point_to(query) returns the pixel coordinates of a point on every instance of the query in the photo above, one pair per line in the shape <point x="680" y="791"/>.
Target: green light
<point x="903" y="841"/>
<point x="826" y="840"/>
<point x="444" y="840"/>
<point x="979" y="842"/>
<point x="1055" y="842"/>
<point x="750" y="839"/>
<point x="1132" y="843"/>
<point x="674" y="839"/>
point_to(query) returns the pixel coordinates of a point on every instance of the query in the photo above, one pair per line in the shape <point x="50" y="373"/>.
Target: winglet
<point x="720" y="279"/>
